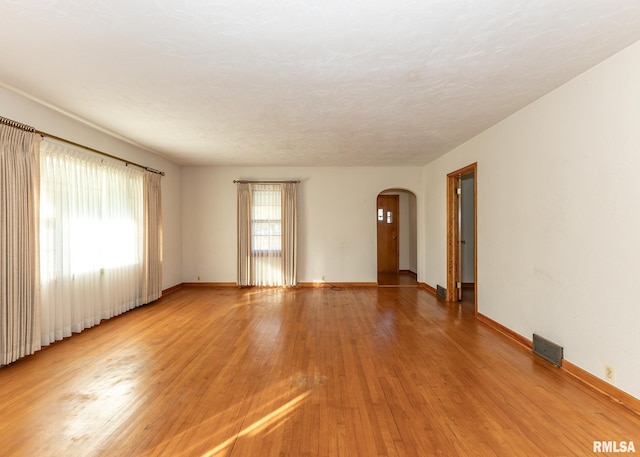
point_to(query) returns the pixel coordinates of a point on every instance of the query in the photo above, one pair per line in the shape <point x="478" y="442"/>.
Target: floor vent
<point x="442" y="292"/>
<point x="547" y="350"/>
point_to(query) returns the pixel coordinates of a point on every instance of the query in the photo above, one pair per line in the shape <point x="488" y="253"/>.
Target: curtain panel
<point x="152" y="252"/>
<point x="289" y="234"/>
<point x="19" y="269"/>
<point x="244" y="235"/>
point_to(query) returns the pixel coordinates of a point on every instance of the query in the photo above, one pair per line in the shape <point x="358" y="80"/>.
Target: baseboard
<point x="428" y="288"/>
<point x="342" y="285"/>
<point x="595" y="383"/>
<point x="210" y="284"/>
<point x="602" y="386"/>
<point x="171" y="289"/>
<point x="468" y="285"/>
<point x="521" y="340"/>
<point x="409" y="272"/>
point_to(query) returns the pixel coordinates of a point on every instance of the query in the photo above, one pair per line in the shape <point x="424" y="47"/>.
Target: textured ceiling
<point x="308" y="82"/>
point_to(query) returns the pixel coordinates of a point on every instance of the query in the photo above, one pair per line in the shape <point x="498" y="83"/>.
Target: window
<point x="266" y="220"/>
<point x="267" y="234"/>
<point x="99" y="247"/>
<point x="91" y="239"/>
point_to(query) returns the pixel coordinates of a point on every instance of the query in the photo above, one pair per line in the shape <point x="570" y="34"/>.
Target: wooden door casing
<point x="453" y="235"/>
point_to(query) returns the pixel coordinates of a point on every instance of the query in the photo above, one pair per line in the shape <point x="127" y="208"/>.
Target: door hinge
<point x="459" y="190"/>
<point x="458" y="285"/>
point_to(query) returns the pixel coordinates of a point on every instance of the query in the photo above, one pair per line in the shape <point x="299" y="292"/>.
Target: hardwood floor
<point x="402" y="279"/>
<point x="259" y="372"/>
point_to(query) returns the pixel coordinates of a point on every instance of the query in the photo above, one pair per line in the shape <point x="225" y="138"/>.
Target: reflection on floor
<point x="468" y="295"/>
<point x="402" y="279"/>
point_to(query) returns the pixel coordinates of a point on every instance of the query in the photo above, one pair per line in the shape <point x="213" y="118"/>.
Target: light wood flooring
<point x="306" y="372"/>
<point x="401" y="279"/>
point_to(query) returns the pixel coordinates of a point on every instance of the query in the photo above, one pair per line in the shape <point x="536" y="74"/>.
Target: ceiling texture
<point x="302" y="83"/>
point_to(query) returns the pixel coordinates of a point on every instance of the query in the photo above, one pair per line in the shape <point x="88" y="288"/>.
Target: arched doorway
<point x="397" y="253"/>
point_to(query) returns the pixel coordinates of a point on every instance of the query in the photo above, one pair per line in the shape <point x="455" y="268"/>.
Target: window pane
<point x="266" y="225"/>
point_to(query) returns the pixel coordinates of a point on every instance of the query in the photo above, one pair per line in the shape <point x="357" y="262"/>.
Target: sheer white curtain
<point x="91" y="237"/>
<point x="19" y="271"/>
<point x="267" y="238"/>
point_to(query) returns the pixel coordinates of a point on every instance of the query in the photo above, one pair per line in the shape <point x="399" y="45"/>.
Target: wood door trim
<point x="453" y="243"/>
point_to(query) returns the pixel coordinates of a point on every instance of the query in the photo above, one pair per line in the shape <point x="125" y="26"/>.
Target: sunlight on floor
<point x="259" y="425"/>
<point x="104" y="399"/>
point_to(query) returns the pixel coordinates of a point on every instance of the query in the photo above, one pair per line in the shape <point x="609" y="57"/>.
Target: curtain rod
<point x="18" y="125"/>
<point x="242" y="181"/>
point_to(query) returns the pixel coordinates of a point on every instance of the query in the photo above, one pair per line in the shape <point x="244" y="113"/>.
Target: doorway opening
<point x="462" y="251"/>
<point x="397" y="222"/>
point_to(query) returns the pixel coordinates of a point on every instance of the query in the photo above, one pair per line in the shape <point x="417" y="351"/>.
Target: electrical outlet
<point x="198" y="278"/>
<point x="609" y="373"/>
<point x="322" y="278"/>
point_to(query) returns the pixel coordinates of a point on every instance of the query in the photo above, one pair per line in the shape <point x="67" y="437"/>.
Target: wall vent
<point x="547" y="350"/>
<point x="442" y="292"/>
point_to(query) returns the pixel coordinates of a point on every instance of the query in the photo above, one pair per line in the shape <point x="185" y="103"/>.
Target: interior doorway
<point x="396" y="238"/>
<point x="462" y="262"/>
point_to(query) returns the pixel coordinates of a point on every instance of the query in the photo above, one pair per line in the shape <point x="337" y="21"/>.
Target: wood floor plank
<point x="299" y="372"/>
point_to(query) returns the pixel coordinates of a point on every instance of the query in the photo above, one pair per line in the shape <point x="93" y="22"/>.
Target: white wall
<point x="21" y="109"/>
<point x="404" y="246"/>
<point x="336" y="219"/>
<point x="558" y="218"/>
<point x="408" y="228"/>
<point x="413" y="233"/>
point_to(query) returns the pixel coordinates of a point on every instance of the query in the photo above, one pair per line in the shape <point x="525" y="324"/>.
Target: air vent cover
<point x="442" y="292"/>
<point x="547" y="350"/>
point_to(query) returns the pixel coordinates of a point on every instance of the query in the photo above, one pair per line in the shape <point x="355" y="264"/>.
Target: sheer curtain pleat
<point x="152" y="255"/>
<point x="244" y="234"/>
<point x="92" y="222"/>
<point x="19" y="269"/>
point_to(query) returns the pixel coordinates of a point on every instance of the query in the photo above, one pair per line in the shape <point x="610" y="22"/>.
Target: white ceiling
<point x="308" y="82"/>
